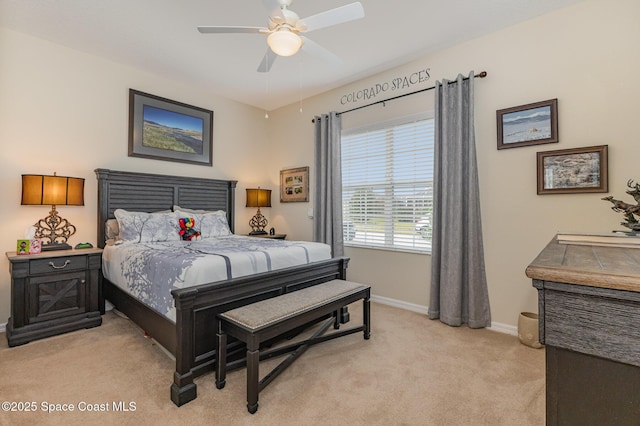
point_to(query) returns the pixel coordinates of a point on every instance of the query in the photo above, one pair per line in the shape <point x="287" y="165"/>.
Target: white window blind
<point x="387" y="185"/>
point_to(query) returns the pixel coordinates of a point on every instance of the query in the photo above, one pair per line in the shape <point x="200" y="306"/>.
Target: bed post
<point x="183" y="389"/>
<point x="231" y="201"/>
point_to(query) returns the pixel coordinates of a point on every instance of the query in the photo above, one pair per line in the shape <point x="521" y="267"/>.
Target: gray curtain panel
<point x="458" y="280"/>
<point x="327" y="209"/>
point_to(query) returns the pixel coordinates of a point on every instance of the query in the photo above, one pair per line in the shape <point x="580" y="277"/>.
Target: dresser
<point x="589" y="310"/>
<point x="52" y="293"/>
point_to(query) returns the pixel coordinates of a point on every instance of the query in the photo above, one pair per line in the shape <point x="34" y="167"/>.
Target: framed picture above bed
<point x="525" y="125"/>
<point x="294" y="185"/>
<point x="162" y="129"/>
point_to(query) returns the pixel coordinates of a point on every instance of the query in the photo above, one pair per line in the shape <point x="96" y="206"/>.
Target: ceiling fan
<point x="285" y="27"/>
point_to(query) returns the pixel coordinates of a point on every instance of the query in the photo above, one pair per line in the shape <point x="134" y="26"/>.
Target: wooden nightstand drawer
<point x="58" y="264"/>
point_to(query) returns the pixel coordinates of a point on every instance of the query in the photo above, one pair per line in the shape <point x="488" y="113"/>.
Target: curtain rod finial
<point x="482" y="74"/>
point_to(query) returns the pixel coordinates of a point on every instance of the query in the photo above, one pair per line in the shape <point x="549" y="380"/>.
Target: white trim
<point x="3" y="327"/>
<point x="504" y="328"/>
<point x="495" y="326"/>
<point x="400" y="304"/>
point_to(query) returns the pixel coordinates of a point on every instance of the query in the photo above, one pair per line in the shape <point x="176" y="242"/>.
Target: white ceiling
<point x="160" y="36"/>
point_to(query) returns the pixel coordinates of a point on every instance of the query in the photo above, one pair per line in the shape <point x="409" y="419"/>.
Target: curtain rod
<point x="482" y="74"/>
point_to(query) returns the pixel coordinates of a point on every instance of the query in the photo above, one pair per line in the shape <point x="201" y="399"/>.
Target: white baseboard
<point x="495" y="326"/>
<point x="3" y="327"/>
<point x="504" y="328"/>
<point x="400" y="304"/>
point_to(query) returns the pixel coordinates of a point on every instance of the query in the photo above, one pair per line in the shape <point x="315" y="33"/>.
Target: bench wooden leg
<point x="344" y="315"/>
<point x="221" y="358"/>
<point x="336" y="322"/>
<point x="253" y="379"/>
<point x="366" y="313"/>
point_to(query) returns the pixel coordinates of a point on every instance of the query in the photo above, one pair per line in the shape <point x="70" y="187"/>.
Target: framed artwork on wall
<point x="525" y="125"/>
<point x="573" y="170"/>
<point x="162" y="129"/>
<point x="294" y="185"/>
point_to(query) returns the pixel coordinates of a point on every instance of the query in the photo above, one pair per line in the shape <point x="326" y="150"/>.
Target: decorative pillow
<point x="211" y="224"/>
<point x="111" y="229"/>
<point x="187" y="230"/>
<point x="141" y="227"/>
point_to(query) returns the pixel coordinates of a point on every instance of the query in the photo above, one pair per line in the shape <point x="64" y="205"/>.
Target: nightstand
<point x="273" y="237"/>
<point x="53" y="293"/>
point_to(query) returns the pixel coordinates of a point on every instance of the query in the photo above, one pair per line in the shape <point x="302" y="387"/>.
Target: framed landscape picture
<point x="294" y="185"/>
<point x="163" y="129"/>
<point x="573" y="170"/>
<point x="531" y="124"/>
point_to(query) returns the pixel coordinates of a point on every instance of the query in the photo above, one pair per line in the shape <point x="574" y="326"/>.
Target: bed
<point x="191" y="336"/>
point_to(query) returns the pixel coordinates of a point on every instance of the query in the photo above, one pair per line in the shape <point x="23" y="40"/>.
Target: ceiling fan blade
<point x="339" y="15"/>
<point x="267" y="61"/>
<point x="232" y="30"/>
<point x="312" y="48"/>
<point x="273" y="8"/>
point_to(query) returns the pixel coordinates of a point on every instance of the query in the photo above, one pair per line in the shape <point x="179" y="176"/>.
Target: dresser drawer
<point x="593" y="321"/>
<point x="57" y="264"/>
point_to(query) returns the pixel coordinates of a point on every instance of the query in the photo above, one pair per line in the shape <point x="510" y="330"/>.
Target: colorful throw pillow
<point x="187" y="230"/>
<point x="211" y="224"/>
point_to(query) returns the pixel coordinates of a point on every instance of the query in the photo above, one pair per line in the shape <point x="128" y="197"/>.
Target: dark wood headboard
<point x="144" y="192"/>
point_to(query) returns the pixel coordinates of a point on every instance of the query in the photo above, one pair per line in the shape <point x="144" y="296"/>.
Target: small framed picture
<point x="36" y="246"/>
<point x="573" y="170"/>
<point x="23" y="247"/>
<point x="294" y="185"/>
<point x="531" y="124"/>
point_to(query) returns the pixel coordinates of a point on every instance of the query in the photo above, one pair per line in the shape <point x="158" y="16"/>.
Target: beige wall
<point x="66" y="111"/>
<point x="583" y="56"/>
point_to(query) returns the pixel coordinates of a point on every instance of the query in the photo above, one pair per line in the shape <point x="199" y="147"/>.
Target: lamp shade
<point x="258" y="197"/>
<point x="52" y="190"/>
<point x="284" y="42"/>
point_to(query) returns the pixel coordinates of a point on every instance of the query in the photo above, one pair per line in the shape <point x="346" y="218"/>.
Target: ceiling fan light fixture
<point x="284" y="42"/>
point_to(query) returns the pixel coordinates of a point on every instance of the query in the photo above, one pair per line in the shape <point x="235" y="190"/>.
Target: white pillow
<point x="184" y="209"/>
<point x="210" y="224"/>
<point x="141" y="227"/>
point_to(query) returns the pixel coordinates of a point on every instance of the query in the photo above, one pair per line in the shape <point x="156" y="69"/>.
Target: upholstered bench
<point x="267" y="319"/>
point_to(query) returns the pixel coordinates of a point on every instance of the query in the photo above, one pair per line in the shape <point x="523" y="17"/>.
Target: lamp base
<point x="56" y="246"/>
<point x="263" y="232"/>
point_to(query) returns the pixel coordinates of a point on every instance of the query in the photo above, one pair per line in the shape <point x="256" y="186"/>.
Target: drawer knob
<point x="66" y="262"/>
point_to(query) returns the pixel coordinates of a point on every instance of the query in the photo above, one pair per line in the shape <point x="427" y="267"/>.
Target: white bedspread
<point x="149" y="271"/>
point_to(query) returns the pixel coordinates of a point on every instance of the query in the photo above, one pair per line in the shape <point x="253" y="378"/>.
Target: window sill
<point x="392" y="249"/>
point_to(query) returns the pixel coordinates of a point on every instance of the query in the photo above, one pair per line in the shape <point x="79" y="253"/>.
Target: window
<point x="387" y="185"/>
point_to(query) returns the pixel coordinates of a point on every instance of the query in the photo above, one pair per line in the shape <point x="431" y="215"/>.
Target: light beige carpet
<point x="413" y="371"/>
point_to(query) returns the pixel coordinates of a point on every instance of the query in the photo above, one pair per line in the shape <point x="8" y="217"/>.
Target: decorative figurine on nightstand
<point x="630" y="211"/>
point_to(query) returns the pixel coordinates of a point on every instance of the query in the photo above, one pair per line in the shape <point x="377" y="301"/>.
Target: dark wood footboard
<point x="197" y="309"/>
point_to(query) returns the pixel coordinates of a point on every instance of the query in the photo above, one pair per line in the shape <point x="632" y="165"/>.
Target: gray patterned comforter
<point x="149" y="271"/>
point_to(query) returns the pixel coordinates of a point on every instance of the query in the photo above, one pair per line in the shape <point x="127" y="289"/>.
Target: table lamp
<point x="40" y="190"/>
<point x="258" y="198"/>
